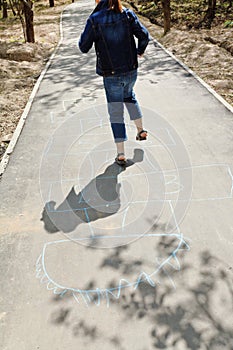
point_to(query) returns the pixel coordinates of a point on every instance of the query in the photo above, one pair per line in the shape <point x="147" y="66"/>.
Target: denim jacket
<point x="113" y="35"/>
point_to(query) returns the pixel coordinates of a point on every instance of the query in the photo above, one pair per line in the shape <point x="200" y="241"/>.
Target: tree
<point x="4" y="9"/>
<point x="209" y="15"/>
<point x="12" y="7"/>
<point x="18" y="6"/>
<point x="166" y="15"/>
<point x="23" y="9"/>
<point x="28" y="14"/>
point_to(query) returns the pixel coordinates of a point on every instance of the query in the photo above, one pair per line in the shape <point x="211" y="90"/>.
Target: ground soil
<point x="207" y="52"/>
<point x="21" y="63"/>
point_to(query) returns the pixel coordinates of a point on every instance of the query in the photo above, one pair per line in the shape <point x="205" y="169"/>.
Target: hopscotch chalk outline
<point x="166" y="174"/>
<point x="89" y="296"/>
<point x="115" y="292"/>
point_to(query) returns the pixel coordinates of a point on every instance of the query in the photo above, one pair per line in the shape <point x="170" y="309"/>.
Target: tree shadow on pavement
<point x="72" y="74"/>
<point x="197" y="315"/>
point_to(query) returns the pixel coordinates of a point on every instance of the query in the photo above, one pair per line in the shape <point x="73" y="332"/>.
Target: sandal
<point x="141" y="138"/>
<point x="121" y="162"/>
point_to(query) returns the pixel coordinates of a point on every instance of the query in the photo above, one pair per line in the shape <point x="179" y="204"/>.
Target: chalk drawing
<point x="164" y="187"/>
<point x="97" y="294"/>
<point x="170" y="179"/>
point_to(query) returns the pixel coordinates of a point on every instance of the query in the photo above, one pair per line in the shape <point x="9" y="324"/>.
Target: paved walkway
<point x="97" y="257"/>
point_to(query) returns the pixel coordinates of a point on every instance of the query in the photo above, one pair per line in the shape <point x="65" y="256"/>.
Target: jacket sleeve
<point x="87" y="37"/>
<point x="140" y="32"/>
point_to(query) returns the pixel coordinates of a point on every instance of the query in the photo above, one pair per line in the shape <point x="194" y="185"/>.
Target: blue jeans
<point x="119" y="91"/>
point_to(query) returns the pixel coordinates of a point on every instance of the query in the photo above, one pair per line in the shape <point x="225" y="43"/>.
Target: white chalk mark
<point x="151" y="164"/>
<point x="81" y="126"/>
<point x="174" y="217"/>
<point x="87" y="295"/>
<point x="171" y="137"/>
<point x="230" y="173"/>
<point x="52" y="117"/>
<point x="76" y="298"/>
<point x="124" y="218"/>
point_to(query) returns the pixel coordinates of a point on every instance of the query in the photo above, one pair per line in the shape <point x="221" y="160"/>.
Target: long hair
<point x="115" y="5"/>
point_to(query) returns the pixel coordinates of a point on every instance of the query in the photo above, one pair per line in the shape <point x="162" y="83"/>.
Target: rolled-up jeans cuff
<point x="120" y="140"/>
<point x="135" y="117"/>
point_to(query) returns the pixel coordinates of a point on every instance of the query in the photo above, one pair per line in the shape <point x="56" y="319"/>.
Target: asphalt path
<point x="100" y="257"/>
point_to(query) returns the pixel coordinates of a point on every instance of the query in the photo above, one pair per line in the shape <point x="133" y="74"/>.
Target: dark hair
<point x="115" y="5"/>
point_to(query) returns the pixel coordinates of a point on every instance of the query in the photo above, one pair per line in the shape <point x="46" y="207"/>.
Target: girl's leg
<point x="132" y="104"/>
<point x="138" y="124"/>
<point x="114" y="90"/>
<point x="120" y="150"/>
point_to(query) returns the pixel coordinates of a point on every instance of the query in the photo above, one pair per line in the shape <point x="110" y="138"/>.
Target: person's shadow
<point x="100" y="198"/>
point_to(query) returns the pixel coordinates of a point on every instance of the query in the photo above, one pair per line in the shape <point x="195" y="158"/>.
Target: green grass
<point x="228" y="24"/>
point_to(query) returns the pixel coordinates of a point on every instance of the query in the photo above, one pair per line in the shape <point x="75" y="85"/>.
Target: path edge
<point x="22" y="120"/>
<point x="196" y="76"/>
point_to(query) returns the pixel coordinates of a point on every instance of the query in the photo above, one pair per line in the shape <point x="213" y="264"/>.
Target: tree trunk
<point x="4" y="9"/>
<point x="28" y="14"/>
<point x="166" y="15"/>
<point x="24" y="27"/>
<point x="12" y="7"/>
<point x="51" y="3"/>
<point x="210" y="13"/>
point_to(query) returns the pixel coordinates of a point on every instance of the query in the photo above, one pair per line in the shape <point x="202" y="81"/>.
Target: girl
<point x="112" y="29"/>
